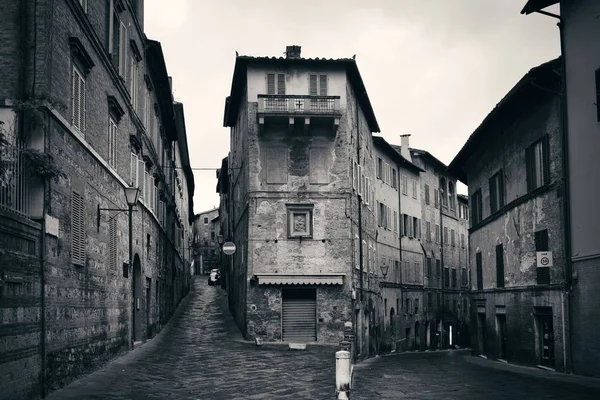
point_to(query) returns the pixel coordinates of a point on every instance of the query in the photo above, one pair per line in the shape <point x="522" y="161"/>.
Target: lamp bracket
<point x="107" y="209"/>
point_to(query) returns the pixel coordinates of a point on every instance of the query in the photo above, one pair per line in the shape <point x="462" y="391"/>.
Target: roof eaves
<point x="536" y="5"/>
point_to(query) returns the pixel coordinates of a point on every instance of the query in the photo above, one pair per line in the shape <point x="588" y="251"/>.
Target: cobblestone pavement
<point x="201" y="355"/>
<point x="453" y="375"/>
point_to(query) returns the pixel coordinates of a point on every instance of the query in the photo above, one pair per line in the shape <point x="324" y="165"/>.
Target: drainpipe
<point x="442" y="298"/>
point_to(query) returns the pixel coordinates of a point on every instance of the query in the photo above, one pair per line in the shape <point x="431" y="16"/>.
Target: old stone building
<point x="87" y="111"/>
<point x="514" y="168"/>
<point x="206" y="247"/>
<point x="301" y="173"/>
<point x="436" y="314"/>
<point x="578" y="30"/>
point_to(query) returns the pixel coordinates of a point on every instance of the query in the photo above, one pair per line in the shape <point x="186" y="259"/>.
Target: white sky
<point x="432" y="68"/>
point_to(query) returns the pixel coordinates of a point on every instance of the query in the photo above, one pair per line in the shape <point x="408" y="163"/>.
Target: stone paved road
<point x="201" y="355"/>
<point x="453" y="375"/>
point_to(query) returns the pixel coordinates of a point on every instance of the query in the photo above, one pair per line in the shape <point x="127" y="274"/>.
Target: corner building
<point x="301" y="172"/>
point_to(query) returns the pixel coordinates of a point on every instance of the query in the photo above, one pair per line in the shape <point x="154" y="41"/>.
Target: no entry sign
<point x="228" y="248"/>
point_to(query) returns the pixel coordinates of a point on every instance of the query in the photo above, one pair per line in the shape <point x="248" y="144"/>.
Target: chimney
<point x="404" y="147"/>
<point x="292" y="51"/>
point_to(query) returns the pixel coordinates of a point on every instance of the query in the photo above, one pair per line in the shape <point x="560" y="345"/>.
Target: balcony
<point x="298" y="108"/>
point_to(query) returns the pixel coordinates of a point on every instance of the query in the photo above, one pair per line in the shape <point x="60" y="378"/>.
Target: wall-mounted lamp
<point x="384" y="270"/>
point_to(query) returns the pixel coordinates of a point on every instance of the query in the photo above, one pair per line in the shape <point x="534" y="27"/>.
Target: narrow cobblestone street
<point x="201" y="355"/>
<point x="450" y="375"/>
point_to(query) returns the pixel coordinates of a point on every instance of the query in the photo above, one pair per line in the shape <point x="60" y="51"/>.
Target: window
<point x="117" y="37"/>
<point x="416" y="227"/>
<point x="452" y="238"/>
<point x="394" y="179"/>
<point x="496" y="192"/>
<point x="451" y="195"/>
<point x="133" y="77"/>
<point x="414" y="188"/>
<point x="78" y="88"/>
<point x="429" y="299"/>
<point x="438" y="268"/>
<point x="428" y="231"/>
<point x="462" y="240"/>
<point x="446" y="276"/>
<point x="317" y="85"/>
<point x="436" y="198"/>
<point x="205" y="221"/>
<point x="537" y="159"/>
<point x="300" y="220"/>
<point x="437" y="233"/>
<point x="443" y="198"/>
<point x="133" y="175"/>
<point x="463" y="277"/>
<point x="500" y="266"/>
<point x="379" y="168"/>
<point x="426" y="194"/>
<point x="479" y="263"/>
<point x="112" y="142"/>
<point x="429" y="266"/>
<point x="404" y="184"/>
<point x="147" y="107"/>
<point x="395" y="222"/>
<point x="454" y="277"/>
<point x="541" y="244"/>
<point x="445" y="235"/>
<point x="276" y="84"/>
<point x="476" y="207"/>
<point x="77" y="229"/>
<point x="416" y="306"/>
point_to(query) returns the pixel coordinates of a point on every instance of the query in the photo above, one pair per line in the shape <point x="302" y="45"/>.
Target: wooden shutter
<point x="270" y="83"/>
<point x="281" y="84"/>
<point x="499" y="266"/>
<point x="141" y="178"/>
<point x="479" y="264"/>
<point x="530" y="167"/>
<point x="323" y="85"/>
<point x="133" y="175"/>
<point x="76" y="99"/>
<point x="77" y="229"/>
<point x="541" y="240"/>
<point x="546" y="159"/>
<point x="493" y="194"/>
<point x="112" y="245"/>
<point x="312" y="85"/>
<point x="123" y="50"/>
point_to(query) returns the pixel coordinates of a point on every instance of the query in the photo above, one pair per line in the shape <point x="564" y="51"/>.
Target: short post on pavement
<point x="342" y="374"/>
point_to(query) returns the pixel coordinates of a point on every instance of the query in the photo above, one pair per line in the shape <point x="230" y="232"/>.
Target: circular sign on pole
<point x="228" y="248"/>
<point x="544" y="260"/>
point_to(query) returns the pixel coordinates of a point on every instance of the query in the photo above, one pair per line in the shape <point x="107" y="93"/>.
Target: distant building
<point x="513" y="166"/>
<point x="206" y="247"/>
<point x="580" y="94"/>
<point x="302" y="200"/>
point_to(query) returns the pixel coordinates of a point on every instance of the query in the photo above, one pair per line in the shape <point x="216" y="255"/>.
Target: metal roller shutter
<point x="299" y="315"/>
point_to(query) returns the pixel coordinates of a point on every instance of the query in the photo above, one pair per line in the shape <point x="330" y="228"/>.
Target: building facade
<point x="206" y="247"/>
<point x="513" y="166"/>
<point x="580" y="114"/>
<point x="87" y="110"/>
<point x="302" y="203"/>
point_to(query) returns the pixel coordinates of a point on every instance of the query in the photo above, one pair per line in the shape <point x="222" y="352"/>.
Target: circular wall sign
<point x="228" y="248"/>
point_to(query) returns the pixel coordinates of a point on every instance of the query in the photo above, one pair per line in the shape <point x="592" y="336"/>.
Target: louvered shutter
<point x="281" y="84"/>
<point x="493" y="194"/>
<point x="77" y="230"/>
<point x="76" y="101"/>
<point x="133" y="176"/>
<point x="270" y="83"/>
<point x="123" y="50"/>
<point x="82" y="103"/>
<point x="530" y="167"/>
<point x="546" y="159"/>
<point x="142" y="178"/>
<point x="323" y="85"/>
<point x="312" y="87"/>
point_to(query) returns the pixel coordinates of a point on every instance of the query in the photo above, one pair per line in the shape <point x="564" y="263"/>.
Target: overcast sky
<point x="432" y="68"/>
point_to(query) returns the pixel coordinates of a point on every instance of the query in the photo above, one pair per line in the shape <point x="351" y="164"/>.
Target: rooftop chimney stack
<point x="292" y="51"/>
<point x="404" y="148"/>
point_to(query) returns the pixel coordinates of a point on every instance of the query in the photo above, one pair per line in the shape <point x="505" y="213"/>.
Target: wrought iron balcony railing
<point x="298" y="104"/>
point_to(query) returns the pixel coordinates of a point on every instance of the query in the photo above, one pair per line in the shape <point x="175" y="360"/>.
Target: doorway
<point x="299" y="315"/>
<point x="546" y="340"/>
<point x="501" y="332"/>
<point x="417" y="336"/>
<point x="137" y="293"/>
<point x="481" y="333"/>
<point x="147" y="300"/>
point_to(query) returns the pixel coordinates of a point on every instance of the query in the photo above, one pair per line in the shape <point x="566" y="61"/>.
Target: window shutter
<point x="493" y="194"/>
<point x="546" y="159"/>
<point x="541" y="240"/>
<point x="133" y="176"/>
<point x="280" y="83"/>
<point x="323" y="85"/>
<point x="530" y="167"/>
<point x="402" y="227"/>
<point x="499" y="266"/>
<point x="82" y="103"/>
<point x="500" y="189"/>
<point x="312" y="85"/>
<point x="76" y="98"/>
<point x="141" y="170"/>
<point x="122" y="50"/>
<point x="270" y="83"/>
<point x="479" y="263"/>
<point x="77" y="230"/>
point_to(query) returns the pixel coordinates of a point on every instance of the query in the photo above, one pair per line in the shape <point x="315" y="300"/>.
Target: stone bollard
<point x="342" y="374"/>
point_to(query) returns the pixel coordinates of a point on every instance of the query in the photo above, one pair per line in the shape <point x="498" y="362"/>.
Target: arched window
<point x="443" y="192"/>
<point x="451" y="194"/>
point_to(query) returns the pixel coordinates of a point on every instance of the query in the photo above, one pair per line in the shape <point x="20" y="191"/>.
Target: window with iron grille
<point x="78" y="100"/>
<point x="496" y="192"/>
<point x="537" y="158"/>
<point x="77" y="229"/>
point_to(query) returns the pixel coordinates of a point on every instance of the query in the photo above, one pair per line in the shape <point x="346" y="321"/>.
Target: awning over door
<point x="286" y="279"/>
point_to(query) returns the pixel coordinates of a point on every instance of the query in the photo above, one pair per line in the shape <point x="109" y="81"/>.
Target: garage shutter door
<point x="299" y="315"/>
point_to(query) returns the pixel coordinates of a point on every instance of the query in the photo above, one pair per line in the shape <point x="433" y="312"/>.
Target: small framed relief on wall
<point x="300" y="221"/>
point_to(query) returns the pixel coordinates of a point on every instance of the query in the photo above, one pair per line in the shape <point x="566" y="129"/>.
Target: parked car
<point x="215" y="277"/>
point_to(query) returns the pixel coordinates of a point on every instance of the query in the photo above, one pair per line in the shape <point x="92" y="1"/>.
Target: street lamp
<point x="220" y="239"/>
<point x="384" y="270"/>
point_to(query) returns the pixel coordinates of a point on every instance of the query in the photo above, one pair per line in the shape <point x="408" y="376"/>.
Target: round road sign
<point x="544" y="260"/>
<point x="228" y="248"/>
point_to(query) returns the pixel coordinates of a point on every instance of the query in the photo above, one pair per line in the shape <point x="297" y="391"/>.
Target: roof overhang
<point x="388" y="149"/>
<point x="536" y="5"/>
<point x="286" y="279"/>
